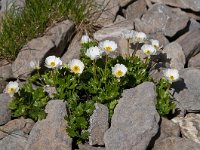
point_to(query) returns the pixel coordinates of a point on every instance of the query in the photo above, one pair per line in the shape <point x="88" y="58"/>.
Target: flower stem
<point x="128" y="47"/>
<point x="94" y="69"/>
<point x="105" y="75"/>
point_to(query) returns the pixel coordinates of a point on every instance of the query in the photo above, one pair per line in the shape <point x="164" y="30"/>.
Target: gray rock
<point x="7" y="4"/>
<point x="194" y="24"/>
<point x="194" y="61"/>
<point x="98" y="124"/>
<point x="175" y="54"/>
<point x="190" y="43"/>
<point x="5" y="114"/>
<point x="170" y="128"/>
<point x="136" y="10"/>
<point x="50" y="133"/>
<point x="73" y="51"/>
<point x="105" y="11"/>
<point x="88" y="147"/>
<point x="187" y="90"/>
<point x="16" y="125"/>
<point x="2" y="85"/>
<point x="50" y="90"/>
<point x="53" y="43"/>
<point x="114" y="30"/>
<point x="6" y="71"/>
<point x="15" y="141"/>
<point x="190" y="126"/>
<point x="135" y="119"/>
<point x="123" y="3"/>
<point x="186" y="4"/>
<point x="161" y="18"/>
<point x="175" y="143"/>
<point x="119" y="19"/>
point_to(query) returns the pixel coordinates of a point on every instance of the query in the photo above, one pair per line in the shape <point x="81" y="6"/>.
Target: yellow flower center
<point x="147" y="52"/>
<point x="76" y="69"/>
<point x="11" y="90"/>
<point x="172" y="77"/>
<point x="108" y="48"/>
<point x="52" y="64"/>
<point x="119" y="73"/>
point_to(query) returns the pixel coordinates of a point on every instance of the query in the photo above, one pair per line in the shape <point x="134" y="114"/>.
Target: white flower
<point x="12" y="88"/>
<point x="85" y="39"/>
<point x="76" y="66"/>
<point x="148" y="49"/>
<point x="53" y="62"/>
<point x="139" y="37"/>
<point x="155" y="43"/>
<point x="171" y="74"/>
<point x="119" y="70"/>
<point x="108" y="46"/>
<point x="35" y="64"/>
<point x="128" y="34"/>
<point x="93" y="53"/>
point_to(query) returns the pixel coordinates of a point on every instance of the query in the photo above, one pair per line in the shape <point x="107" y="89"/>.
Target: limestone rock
<point x="190" y="126"/>
<point x="193" y="5"/>
<point x="136" y="10"/>
<point x="114" y="30"/>
<point x="53" y="43"/>
<point x="105" y="11"/>
<point x="194" y="61"/>
<point x="15" y="141"/>
<point x="7" y="4"/>
<point x="98" y="124"/>
<point x="176" y="55"/>
<point x="16" y="125"/>
<point x="194" y="24"/>
<point x="187" y="90"/>
<point x="123" y="3"/>
<point x="190" y="43"/>
<point x="6" y="71"/>
<point x="135" y="119"/>
<point x="3" y="84"/>
<point x="161" y="18"/>
<point x="175" y="143"/>
<point x="5" y="114"/>
<point x="73" y="51"/>
<point x="88" y="147"/>
<point x="50" y="133"/>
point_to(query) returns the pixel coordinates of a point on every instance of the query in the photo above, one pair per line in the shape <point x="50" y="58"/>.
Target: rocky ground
<point x="135" y="125"/>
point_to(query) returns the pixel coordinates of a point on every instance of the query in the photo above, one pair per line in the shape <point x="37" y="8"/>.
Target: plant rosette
<point x="93" y="78"/>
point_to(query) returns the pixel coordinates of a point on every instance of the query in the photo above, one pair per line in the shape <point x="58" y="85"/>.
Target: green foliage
<point x="29" y="102"/>
<point x="19" y="27"/>
<point x="164" y="102"/>
<point x="96" y="84"/>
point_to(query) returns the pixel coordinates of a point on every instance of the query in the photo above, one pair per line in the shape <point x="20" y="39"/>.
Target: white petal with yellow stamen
<point x="76" y="66"/>
<point x="93" y="53"/>
<point x="119" y="70"/>
<point x="108" y="46"/>
<point x="148" y="49"/>
<point x="53" y="62"/>
<point x="171" y="74"/>
<point x="12" y="88"/>
<point x="155" y="43"/>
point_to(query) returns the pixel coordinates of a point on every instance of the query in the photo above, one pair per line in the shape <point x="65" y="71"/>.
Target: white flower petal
<point x="119" y="70"/>
<point x="93" y="53"/>
<point x="171" y="74"/>
<point x="76" y="66"/>
<point x="12" y="88"/>
<point x="85" y="39"/>
<point x="148" y="49"/>
<point x="53" y="62"/>
<point x="108" y="46"/>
